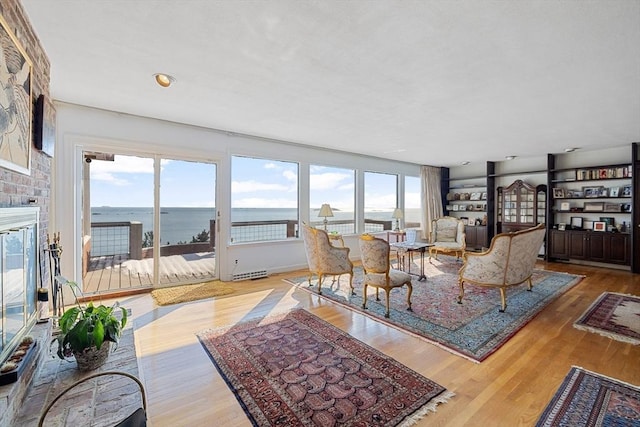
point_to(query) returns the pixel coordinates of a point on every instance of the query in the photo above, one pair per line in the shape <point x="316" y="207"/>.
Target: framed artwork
<point x="626" y="191"/>
<point x="626" y="207"/>
<point x="587" y="224"/>
<point x="15" y="126"/>
<point x="44" y="137"/>
<point x="562" y="226"/>
<point x="576" y="222"/>
<point x="612" y="207"/>
<point x="607" y="220"/>
<point x="558" y="193"/>
<point x="599" y="226"/>
<point x="594" y="207"/>
<point x="475" y="196"/>
<point x="591" y="191"/>
<point x="565" y="206"/>
<point x="614" y="191"/>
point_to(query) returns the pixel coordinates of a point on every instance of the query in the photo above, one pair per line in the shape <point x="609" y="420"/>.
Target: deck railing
<point x="125" y="237"/>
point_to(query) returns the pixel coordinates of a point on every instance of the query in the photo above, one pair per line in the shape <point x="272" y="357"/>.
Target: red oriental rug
<point x="295" y="369"/>
<point x="589" y="399"/>
<point x="613" y="315"/>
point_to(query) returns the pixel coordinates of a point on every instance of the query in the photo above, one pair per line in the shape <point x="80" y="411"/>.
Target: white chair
<point x="378" y="272"/>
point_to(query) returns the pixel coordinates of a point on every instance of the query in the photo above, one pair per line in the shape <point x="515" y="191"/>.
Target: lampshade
<point x="397" y="214"/>
<point x="325" y="210"/>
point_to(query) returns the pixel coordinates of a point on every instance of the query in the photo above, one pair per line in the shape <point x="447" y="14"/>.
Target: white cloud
<point x="255" y="186"/>
<point x="109" y="178"/>
<point x="291" y="176"/>
<point x="328" y="181"/>
<point x="271" y="166"/>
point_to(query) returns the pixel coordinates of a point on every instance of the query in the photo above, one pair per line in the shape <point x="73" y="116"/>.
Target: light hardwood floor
<point x="510" y="388"/>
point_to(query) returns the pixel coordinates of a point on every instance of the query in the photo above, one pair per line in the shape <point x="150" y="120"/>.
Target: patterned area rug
<point x="473" y="329"/>
<point x="184" y="293"/>
<point x="295" y="369"/>
<point x="615" y="316"/>
<point x="589" y="399"/>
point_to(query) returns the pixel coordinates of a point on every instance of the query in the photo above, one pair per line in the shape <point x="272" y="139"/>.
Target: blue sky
<point x="128" y="182"/>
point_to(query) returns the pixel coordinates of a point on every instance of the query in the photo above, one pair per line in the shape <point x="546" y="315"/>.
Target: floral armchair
<point x="378" y="272"/>
<point x="323" y="258"/>
<point x="447" y="237"/>
<point x="508" y="262"/>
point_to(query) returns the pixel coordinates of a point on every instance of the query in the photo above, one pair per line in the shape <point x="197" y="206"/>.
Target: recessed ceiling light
<point x="465" y="163"/>
<point x="164" y="80"/>
<point x="570" y="150"/>
<point x="510" y="157"/>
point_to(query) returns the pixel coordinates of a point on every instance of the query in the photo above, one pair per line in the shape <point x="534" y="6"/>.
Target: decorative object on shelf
<point x="599" y="226"/>
<point x="558" y="193"/>
<point x="590" y="192"/>
<point x="475" y="196"/>
<point x="626" y="207"/>
<point x="612" y="207"/>
<point x="610" y="221"/>
<point x="325" y="211"/>
<point x="614" y="191"/>
<point x="594" y="207"/>
<point x="626" y="191"/>
<point x="576" y="223"/>
<point x="565" y="206"/>
<point x="86" y="332"/>
<point x="483" y="196"/>
<point x="562" y="226"/>
<point x="397" y="215"/>
<point x="587" y="224"/>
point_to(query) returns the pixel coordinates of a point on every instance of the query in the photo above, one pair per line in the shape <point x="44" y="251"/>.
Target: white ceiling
<point x="427" y="82"/>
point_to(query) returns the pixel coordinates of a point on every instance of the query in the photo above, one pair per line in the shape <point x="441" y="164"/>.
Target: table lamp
<point x="397" y="215"/>
<point x="325" y="211"/>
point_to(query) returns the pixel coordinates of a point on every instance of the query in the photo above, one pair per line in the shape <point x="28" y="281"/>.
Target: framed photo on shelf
<point x="576" y="222"/>
<point x="626" y="207"/>
<point x="626" y="191"/>
<point x="483" y="196"/>
<point x="558" y="193"/>
<point x="562" y="226"/>
<point x="614" y="191"/>
<point x="591" y="191"/>
<point x="612" y="207"/>
<point x="599" y="226"/>
<point x="603" y="192"/>
<point x="475" y="196"/>
<point x="565" y="206"/>
<point x="471" y="221"/>
<point x="455" y="207"/>
<point x="594" y="207"/>
<point x="607" y="220"/>
<point x="587" y="225"/>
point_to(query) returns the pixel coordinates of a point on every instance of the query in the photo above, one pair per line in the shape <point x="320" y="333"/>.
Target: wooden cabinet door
<point x="619" y="248"/>
<point x="559" y="244"/>
<point x="578" y="245"/>
<point x="596" y="246"/>
<point x="481" y="236"/>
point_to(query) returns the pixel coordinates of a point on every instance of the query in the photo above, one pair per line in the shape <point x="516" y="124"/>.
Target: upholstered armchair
<point x="323" y="258"/>
<point x="509" y="261"/>
<point x="378" y="272"/>
<point x="447" y="237"/>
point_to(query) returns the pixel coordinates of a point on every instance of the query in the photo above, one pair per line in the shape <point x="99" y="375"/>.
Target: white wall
<point x="86" y="129"/>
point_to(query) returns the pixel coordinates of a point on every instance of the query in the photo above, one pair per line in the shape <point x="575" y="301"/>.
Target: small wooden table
<point x="405" y="247"/>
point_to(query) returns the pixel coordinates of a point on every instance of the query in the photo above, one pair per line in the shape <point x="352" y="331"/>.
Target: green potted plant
<point x="86" y="332"/>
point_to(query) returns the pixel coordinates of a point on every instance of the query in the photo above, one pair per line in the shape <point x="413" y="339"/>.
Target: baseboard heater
<point x="259" y="274"/>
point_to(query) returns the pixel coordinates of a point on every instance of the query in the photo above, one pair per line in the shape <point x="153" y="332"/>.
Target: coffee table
<point x="409" y="248"/>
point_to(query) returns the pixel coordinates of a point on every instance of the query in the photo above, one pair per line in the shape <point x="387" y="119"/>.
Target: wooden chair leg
<point x="409" y="292"/>
<point x="387" y="291"/>
<point x="503" y="297"/>
<point x="530" y="285"/>
<point x="461" y="284"/>
<point x="320" y="277"/>
<point x="364" y="297"/>
<point x="353" y="291"/>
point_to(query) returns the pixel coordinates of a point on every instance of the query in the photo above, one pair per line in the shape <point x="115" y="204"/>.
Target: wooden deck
<point x="118" y="273"/>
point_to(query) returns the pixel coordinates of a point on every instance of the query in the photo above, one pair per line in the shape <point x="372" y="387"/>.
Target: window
<point x="380" y="199"/>
<point x="264" y="199"/>
<point x="412" y="204"/>
<point x="336" y="187"/>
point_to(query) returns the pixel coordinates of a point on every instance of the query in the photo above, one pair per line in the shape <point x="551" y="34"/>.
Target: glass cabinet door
<point x="520" y="205"/>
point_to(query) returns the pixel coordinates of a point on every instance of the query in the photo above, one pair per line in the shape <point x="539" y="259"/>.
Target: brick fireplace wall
<point x="17" y="189"/>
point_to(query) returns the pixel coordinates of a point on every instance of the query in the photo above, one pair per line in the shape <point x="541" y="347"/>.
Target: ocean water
<point x="181" y="224"/>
